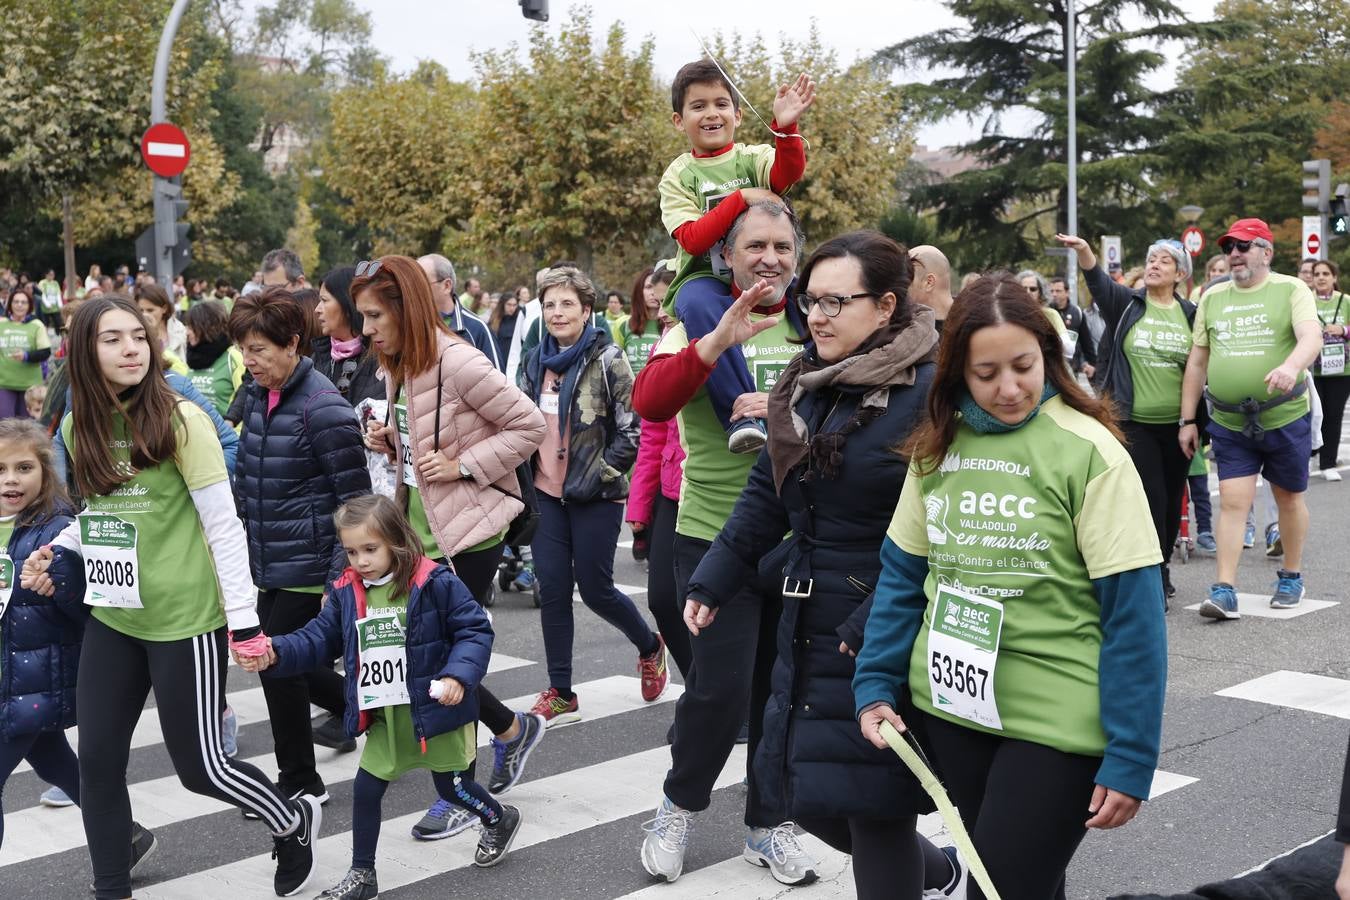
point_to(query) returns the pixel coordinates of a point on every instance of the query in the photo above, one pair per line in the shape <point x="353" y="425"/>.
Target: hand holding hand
<point x="1111" y="808"/>
<point x="436" y="467"/>
<point x="698" y="615"/>
<point x="870" y="723"/>
<point x="793" y="99"/>
<point x="34" y="575"/>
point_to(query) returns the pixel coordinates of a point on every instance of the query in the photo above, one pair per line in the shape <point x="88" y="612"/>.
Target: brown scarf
<point x="886" y="359"/>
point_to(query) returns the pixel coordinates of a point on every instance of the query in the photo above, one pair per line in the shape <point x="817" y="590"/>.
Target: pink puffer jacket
<point x="660" y="463"/>
<point x="487" y="423"/>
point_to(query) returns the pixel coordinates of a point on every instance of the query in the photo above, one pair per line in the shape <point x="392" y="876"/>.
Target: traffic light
<point x="1340" y="217"/>
<point x="172" y="249"/>
<point x="1317" y="177"/>
<point x="535" y="9"/>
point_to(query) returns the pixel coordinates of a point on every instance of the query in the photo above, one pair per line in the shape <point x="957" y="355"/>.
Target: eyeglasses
<point x="1240" y="246"/>
<point x="367" y="268"/>
<point x="829" y="303"/>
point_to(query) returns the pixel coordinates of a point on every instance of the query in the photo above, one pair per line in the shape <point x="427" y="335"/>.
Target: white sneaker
<point x="667" y="840"/>
<point x="778" y="850"/>
<point x="1331" y="474"/>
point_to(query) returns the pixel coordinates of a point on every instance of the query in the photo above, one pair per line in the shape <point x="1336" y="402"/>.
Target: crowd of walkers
<point x="861" y="501"/>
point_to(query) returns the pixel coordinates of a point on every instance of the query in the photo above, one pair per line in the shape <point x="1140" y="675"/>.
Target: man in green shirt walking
<point x="1254" y="339"/>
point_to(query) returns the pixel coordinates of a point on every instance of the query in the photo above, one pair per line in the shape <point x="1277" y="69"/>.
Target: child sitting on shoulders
<point x="704" y="190"/>
<point x="415" y="645"/>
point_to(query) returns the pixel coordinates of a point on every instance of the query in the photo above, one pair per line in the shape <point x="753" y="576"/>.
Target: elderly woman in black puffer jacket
<point x="830" y="478"/>
<point x="300" y="458"/>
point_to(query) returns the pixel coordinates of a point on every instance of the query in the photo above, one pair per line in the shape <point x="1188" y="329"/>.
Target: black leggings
<point x="1024" y="805"/>
<point x="891" y="861"/>
<point x="1334" y="391"/>
<point x="117" y="672"/>
<point x="477" y="570"/>
<point x="49" y="753"/>
<point x="1162" y="468"/>
<point x="368" y="793"/>
<point x="666" y="608"/>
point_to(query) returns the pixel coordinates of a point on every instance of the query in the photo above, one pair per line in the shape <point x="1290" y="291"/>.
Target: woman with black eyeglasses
<point x="340" y="354"/>
<point x="1140" y="369"/>
<point x="830" y="478"/>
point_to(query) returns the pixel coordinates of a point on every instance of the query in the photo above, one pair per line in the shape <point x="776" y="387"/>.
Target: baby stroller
<point x="516" y="573"/>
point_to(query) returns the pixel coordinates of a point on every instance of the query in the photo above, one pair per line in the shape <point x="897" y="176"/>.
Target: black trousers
<point x="733" y="660"/>
<point x="117" y="672"/>
<point x="891" y="860"/>
<point x="282" y="611"/>
<point x="1024" y="805"/>
<point x="477" y="570"/>
<point x="1334" y="390"/>
<point x="1162" y="468"/>
<point x="666" y="606"/>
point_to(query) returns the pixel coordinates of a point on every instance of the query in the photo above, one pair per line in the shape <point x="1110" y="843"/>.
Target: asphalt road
<point x="1266" y="763"/>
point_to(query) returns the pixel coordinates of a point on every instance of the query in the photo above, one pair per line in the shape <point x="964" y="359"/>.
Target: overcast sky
<point x="445" y="30"/>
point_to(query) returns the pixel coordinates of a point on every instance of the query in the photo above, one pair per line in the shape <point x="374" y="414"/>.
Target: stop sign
<point x="1314" y="244"/>
<point x="165" y="149"/>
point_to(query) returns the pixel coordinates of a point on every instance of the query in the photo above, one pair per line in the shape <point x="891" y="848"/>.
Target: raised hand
<point x="793" y="99"/>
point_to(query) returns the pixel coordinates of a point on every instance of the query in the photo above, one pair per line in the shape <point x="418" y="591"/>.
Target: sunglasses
<point x="367" y="268"/>
<point x="1241" y="246"/>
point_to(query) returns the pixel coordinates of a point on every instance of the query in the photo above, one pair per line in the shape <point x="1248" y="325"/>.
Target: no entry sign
<point x="1193" y="239"/>
<point x="1314" y="244"/>
<point x="165" y="149"/>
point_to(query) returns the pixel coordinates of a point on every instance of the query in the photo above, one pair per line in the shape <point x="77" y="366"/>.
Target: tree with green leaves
<point x="1010" y="60"/>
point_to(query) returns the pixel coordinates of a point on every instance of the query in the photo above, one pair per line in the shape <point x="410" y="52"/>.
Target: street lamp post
<point x="1071" y="54"/>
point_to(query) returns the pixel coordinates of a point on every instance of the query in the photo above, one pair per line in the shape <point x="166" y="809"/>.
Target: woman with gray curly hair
<point x="1142" y="365"/>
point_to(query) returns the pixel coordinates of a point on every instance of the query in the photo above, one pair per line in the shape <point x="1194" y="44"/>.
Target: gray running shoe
<point x="778" y="850"/>
<point x="443" y="820"/>
<point x="667" y="840"/>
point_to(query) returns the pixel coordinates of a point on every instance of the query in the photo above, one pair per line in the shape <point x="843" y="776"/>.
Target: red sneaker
<point x="556" y="710"/>
<point x="655" y="674"/>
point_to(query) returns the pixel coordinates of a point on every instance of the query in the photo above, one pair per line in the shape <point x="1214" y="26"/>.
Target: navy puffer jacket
<point x="448" y="635"/>
<point x="812" y="761"/>
<point x="40" y="639"/>
<point x="295" y="468"/>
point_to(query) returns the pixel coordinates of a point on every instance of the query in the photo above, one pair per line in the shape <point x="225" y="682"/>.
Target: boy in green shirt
<point x="705" y="190"/>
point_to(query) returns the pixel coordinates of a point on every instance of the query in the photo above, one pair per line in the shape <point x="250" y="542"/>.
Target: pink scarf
<point x="341" y="350"/>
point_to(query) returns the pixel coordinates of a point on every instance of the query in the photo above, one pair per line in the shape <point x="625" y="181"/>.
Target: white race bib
<point x="7" y="576"/>
<point x="111" y="570"/>
<point x="963" y="654"/>
<point x="1333" y="358"/>
<point x="382" y="650"/>
<point x="405" y="441"/>
<point x="548" y="403"/>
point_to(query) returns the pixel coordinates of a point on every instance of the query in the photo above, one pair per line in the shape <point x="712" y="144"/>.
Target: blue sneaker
<point x="443" y="820"/>
<point x="1205" y="541"/>
<point x="55" y="798"/>
<point x="1221" y="603"/>
<point x="1288" y="590"/>
<point x="508" y="761"/>
<point x="1274" y="546"/>
<point x="1249" y="537"/>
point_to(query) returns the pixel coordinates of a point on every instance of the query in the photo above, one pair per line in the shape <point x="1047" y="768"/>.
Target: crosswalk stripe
<point x="249" y="706"/>
<point x="553" y="807"/>
<point x="1297" y="690"/>
<point x="1259" y="605"/>
<point x="38" y="831"/>
<point x="1167" y="782"/>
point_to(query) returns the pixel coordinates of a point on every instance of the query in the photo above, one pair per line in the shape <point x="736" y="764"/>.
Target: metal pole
<point x="1071" y="45"/>
<point x="164" y="188"/>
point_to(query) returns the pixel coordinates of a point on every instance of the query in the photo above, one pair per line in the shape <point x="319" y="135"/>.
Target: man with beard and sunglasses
<point x="1254" y="339"/>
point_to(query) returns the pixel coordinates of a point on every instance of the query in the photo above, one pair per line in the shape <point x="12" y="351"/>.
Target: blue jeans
<point x="576" y="541"/>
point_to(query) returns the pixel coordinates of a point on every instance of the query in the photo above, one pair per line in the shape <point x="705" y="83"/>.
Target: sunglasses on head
<point x="1228" y="246"/>
<point x="367" y="268"/>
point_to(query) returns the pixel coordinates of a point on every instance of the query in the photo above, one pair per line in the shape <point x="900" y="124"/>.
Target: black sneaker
<point x="333" y="735"/>
<point x="143" y="844"/>
<point x="497" y="839"/>
<point x="294" y="852"/>
<point x="359" y="884"/>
